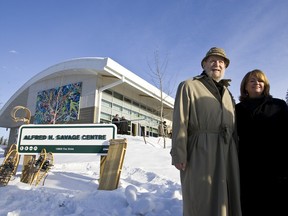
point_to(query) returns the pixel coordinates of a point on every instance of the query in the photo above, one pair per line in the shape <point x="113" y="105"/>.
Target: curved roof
<point x="90" y="66"/>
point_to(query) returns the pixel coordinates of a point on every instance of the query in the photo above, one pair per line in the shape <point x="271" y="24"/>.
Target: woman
<point x="262" y="123"/>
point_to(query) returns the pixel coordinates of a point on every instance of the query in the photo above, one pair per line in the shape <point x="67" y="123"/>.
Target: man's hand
<point x="180" y="166"/>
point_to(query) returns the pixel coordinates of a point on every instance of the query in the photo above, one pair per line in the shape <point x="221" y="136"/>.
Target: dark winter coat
<point x="116" y="121"/>
<point x="203" y="137"/>
<point x="263" y="157"/>
<point x="123" y="126"/>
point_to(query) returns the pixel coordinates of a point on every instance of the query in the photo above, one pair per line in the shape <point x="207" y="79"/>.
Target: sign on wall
<point x="66" y="139"/>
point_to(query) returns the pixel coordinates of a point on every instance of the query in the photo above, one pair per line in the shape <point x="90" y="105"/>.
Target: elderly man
<point x="204" y="141"/>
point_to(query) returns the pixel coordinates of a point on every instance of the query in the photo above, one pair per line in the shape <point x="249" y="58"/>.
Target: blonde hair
<point x="260" y="76"/>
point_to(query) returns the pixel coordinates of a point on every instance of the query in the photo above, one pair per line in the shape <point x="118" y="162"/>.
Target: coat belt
<point x="223" y="131"/>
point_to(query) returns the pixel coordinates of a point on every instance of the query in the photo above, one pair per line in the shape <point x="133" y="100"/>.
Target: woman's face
<point x="254" y="87"/>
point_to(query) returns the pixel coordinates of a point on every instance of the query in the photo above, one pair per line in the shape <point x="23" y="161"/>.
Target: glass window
<point x="127" y="100"/>
<point x="143" y="107"/>
<point x="135" y="103"/>
<point x="126" y="111"/>
<point x="118" y="96"/>
<point x="106" y="103"/>
<point x="108" y="91"/>
<point x="106" y="117"/>
<point x="117" y="107"/>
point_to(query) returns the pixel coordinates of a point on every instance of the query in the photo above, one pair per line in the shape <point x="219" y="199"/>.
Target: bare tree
<point x="158" y="77"/>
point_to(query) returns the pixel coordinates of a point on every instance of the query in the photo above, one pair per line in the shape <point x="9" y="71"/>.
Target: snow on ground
<point x="149" y="185"/>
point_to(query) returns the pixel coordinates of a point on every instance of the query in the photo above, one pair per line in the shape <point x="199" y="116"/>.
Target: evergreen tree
<point x="287" y="97"/>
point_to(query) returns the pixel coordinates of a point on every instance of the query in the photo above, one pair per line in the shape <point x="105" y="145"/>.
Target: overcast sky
<point x="38" y="34"/>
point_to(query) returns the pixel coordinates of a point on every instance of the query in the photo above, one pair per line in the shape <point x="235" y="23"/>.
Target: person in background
<point x="165" y="128"/>
<point x="116" y="121"/>
<point x="123" y="127"/>
<point x="162" y="129"/>
<point x="204" y="139"/>
<point x="262" y="124"/>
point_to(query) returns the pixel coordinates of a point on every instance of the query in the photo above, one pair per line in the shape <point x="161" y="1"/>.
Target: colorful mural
<point x="58" y="104"/>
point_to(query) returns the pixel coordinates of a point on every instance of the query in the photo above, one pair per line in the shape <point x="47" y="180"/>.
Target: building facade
<point x="89" y="90"/>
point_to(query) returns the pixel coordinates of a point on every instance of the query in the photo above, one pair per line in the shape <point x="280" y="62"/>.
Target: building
<point x="89" y="90"/>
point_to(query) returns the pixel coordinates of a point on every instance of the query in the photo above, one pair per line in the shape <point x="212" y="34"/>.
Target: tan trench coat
<point x="204" y="137"/>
